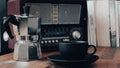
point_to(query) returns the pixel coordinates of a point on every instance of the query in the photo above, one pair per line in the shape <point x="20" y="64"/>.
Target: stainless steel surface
<point x="29" y="25"/>
<point x="27" y="46"/>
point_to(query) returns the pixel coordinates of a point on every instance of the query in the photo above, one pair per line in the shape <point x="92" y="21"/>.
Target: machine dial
<point x="76" y="35"/>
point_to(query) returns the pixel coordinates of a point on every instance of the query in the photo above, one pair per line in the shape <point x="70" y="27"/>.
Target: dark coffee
<point x="74" y="50"/>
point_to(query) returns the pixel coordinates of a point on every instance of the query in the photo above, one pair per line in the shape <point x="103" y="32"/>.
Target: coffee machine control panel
<point x="51" y="35"/>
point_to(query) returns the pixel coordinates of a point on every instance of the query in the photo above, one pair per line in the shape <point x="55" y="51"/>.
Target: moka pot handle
<point x="10" y="19"/>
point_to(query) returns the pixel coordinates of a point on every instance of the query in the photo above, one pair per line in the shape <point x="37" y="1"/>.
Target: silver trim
<point x="46" y="38"/>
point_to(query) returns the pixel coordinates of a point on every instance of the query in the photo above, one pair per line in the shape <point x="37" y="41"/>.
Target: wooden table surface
<point x="108" y="58"/>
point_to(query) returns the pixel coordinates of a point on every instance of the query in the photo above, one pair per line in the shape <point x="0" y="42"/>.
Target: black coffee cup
<point x="75" y="50"/>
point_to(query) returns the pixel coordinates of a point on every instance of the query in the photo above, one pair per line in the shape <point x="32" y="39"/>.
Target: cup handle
<point x="94" y="49"/>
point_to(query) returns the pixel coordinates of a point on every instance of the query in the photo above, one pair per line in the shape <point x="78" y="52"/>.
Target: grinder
<point x="27" y="46"/>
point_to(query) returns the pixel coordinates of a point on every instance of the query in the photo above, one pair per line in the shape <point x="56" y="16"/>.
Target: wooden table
<point x="108" y="58"/>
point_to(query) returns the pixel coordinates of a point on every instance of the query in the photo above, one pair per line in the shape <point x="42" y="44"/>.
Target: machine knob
<point x="42" y="42"/>
<point x="76" y="35"/>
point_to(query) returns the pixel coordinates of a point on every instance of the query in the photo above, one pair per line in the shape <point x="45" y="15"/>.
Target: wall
<point x="13" y="7"/>
<point x="98" y="16"/>
<point x="103" y="15"/>
<point x="102" y="22"/>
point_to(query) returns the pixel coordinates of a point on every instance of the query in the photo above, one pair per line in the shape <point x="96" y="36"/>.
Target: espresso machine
<point x="27" y="46"/>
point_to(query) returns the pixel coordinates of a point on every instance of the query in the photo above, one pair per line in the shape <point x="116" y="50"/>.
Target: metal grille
<point x="44" y="11"/>
<point x="69" y="13"/>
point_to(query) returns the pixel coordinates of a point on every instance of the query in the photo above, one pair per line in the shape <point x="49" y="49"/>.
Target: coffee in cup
<point x="75" y="50"/>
